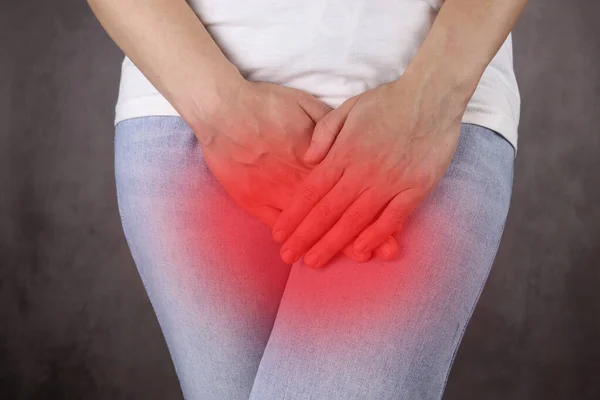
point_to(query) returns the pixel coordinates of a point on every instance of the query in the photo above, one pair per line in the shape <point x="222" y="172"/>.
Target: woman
<point x="372" y="138"/>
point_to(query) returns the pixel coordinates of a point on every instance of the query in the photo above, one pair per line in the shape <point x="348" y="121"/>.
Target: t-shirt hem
<point x="150" y="106"/>
<point x="158" y="106"/>
<point x="496" y="121"/>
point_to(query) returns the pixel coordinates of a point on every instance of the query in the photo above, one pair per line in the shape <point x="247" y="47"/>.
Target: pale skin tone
<point x="370" y="162"/>
<point x="240" y="136"/>
<point x="382" y="152"/>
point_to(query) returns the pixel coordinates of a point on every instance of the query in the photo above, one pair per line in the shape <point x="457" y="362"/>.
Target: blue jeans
<point x="241" y="324"/>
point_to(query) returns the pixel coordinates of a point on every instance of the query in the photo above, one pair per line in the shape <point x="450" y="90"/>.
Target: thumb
<point x="313" y="107"/>
<point x="325" y="132"/>
<point x="268" y="215"/>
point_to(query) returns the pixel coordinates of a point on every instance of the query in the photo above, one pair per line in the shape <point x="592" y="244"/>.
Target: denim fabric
<point x="240" y="324"/>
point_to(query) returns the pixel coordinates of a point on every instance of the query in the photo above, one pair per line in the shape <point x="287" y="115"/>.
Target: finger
<point x="325" y="132"/>
<point x="356" y="217"/>
<point x="391" y="220"/>
<point x="314" y="107"/>
<point x="388" y="250"/>
<point x="316" y="185"/>
<point x="320" y="219"/>
<point x="356" y="257"/>
<point x="268" y="215"/>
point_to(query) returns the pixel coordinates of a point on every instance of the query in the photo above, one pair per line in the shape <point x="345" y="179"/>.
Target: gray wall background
<point x="74" y="318"/>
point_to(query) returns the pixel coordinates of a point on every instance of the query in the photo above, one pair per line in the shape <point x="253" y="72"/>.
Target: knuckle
<point x="355" y="218"/>
<point x="324" y="210"/>
<point x="309" y="194"/>
<point x="397" y="216"/>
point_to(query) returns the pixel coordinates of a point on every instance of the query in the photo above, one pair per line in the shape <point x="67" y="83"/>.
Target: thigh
<point x="390" y="330"/>
<point x="212" y="273"/>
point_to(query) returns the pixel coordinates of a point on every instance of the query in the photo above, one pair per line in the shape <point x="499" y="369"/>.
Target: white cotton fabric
<point x="334" y="49"/>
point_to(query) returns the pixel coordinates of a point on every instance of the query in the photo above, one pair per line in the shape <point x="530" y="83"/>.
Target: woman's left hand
<point x="381" y="153"/>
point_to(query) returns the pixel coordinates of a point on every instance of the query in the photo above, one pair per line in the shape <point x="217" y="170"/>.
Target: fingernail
<point x="386" y="251"/>
<point x="279" y="236"/>
<point x="311" y="259"/>
<point x="288" y="256"/>
<point x="310" y="154"/>
<point x="360" y="245"/>
<point x="364" y="257"/>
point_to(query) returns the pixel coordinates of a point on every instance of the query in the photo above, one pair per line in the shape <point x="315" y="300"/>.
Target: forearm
<point x="171" y="47"/>
<point x="464" y="38"/>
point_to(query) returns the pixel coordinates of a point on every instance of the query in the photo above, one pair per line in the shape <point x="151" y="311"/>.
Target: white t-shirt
<point x="333" y="49"/>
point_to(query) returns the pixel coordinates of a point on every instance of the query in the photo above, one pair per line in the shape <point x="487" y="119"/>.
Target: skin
<point x="385" y="160"/>
<point x="241" y="138"/>
<point x="382" y="152"/>
<point x="405" y="131"/>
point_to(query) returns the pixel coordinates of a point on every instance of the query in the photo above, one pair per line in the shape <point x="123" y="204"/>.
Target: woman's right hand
<point x="254" y="139"/>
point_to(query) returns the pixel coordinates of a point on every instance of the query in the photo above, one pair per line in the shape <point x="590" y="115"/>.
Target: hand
<point x="254" y="142"/>
<point x="384" y="151"/>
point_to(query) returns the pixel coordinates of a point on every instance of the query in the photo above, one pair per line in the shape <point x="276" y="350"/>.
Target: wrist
<point x="208" y="93"/>
<point x="443" y="77"/>
<point x="437" y="102"/>
<point x="209" y="96"/>
<point x="439" y="85"/>
<point x="447" y="61"/>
